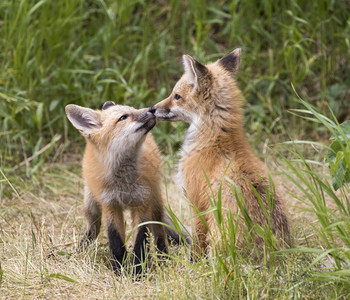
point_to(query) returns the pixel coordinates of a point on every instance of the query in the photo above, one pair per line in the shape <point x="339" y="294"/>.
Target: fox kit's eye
<point x="123" y="117"/>
<point x="177" y="97"/>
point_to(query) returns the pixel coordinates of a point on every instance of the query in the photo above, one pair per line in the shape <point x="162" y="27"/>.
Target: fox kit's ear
<point x="107" y="104"/>
<point x="84" y="119"/>
<point x="231" y="61"/>
<point x="194" y="70"/>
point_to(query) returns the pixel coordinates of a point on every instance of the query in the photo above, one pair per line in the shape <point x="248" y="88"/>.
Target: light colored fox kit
<point x="207" y="97"/>
<point x="121" y="170"/>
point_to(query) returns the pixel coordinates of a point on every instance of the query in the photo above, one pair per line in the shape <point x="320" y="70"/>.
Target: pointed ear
<point x="107" y="104"/>
<point x="195" y="70"/>
<point x="231" y="61"/>
<point x="84" y="119"/>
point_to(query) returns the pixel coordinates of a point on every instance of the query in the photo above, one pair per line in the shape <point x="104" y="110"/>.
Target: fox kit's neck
<point x="117" y="176"/>
<point x="221" y="128"/>
<point x="117" y="165"/>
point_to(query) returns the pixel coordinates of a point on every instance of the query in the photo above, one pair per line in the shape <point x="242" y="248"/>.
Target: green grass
<point x="86" y="52"/>
<point x="42" y="225"/>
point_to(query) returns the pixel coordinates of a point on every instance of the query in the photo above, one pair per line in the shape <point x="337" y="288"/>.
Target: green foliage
<point x="331" y="209"/>
<point x="319" y="263"/>
<point x="322" y="259"/>
<point x="338" y="156"/>
<point x="87" y="52"/>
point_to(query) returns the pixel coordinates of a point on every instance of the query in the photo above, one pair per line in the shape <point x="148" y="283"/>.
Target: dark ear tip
<point x="107" y="104"/>
<point x="231" y="61"/>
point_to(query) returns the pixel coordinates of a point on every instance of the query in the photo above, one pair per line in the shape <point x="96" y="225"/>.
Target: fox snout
<point x="156" y="110"/>
<point x="147" y="119"/>
<point x="162" y="110"/>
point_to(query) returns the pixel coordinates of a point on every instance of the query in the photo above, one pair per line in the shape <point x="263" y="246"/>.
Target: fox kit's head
<point x="115" y="129"/>
<point x="205" y="94"/>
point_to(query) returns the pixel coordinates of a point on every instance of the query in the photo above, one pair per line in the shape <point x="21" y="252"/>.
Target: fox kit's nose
<point x="152" y="109"/>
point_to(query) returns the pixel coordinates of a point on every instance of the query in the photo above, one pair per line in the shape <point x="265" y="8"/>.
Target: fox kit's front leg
<point x="140" y="215"/>
<point x="140" y="248"/>
<point x="158" y="230"/>
<point x="116" y="235"/>
<point x="148" y="212"/>
<point x="93" y="215"/>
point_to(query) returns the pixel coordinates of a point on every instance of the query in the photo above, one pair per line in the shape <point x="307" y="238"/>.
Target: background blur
<point x="86" y="52"/>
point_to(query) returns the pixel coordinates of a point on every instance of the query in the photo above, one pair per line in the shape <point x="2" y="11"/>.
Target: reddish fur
<point x="149" y="175"/>
<point x="120" y="159"/>
<point x="214" y="105"/>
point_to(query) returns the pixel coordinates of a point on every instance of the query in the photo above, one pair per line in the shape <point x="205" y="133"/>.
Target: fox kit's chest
<point x="198" y="166"/>
<point x="125" y="196"/>
<point x="115" y="180"/>
<point x="125" y="190"/>
<point x="123" y="186"/>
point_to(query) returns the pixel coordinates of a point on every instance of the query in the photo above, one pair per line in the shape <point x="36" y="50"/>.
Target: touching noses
<point x="152" y="109"/>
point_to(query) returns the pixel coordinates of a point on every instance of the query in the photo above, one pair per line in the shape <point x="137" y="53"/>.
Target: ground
<point x="41" y="227"/>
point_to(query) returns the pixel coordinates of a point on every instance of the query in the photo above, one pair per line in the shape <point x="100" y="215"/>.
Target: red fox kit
<point x="208" y="98"/>
<point x="121" y="170"/>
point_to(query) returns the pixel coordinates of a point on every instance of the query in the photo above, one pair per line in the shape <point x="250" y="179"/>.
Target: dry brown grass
<point x="39" y="234"/>
<point x="41" y="228"/>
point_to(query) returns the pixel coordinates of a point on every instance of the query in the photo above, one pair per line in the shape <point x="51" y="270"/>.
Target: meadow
<point x="295" y="78"/>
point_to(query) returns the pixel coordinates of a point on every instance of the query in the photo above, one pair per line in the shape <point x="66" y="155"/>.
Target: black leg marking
<point x="140" y="249"/>
<point x="117" y="247"/>
<point x="90" y="234"/>
<point x="93" y="215"/>
<point x="161" y="245"/>
<point x="159" y="230"/>
<point x="161" y="248"/>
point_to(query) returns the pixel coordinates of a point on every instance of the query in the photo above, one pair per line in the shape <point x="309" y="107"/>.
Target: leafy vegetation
<point x="339" y="156"/>
<point x="86" y="52"/>
<point x="330" y="208"/>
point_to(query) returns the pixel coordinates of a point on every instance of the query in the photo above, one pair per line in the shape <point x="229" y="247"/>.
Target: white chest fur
<point x="128" y="195"/>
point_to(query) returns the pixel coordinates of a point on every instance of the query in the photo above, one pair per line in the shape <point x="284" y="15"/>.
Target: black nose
<point x="152" y="109"/>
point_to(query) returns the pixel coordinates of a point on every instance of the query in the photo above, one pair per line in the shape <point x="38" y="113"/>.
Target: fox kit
<point x="121" y="170"/>
<point x="208" y="98"/>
